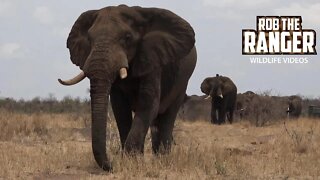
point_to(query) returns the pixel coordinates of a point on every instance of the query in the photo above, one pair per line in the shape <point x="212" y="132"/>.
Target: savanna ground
<point x="58" y="146"/>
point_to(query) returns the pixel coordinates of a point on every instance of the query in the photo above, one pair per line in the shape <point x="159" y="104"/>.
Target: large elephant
<point x="294" y="106"/>
<point x="224" y="94"/>
<point x="141" y="57"/>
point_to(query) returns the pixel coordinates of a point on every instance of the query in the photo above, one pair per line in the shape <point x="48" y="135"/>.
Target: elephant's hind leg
<point x="162" y="127"/>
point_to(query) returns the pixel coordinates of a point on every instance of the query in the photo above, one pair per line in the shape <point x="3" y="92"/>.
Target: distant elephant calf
<point x="224" y="94"/>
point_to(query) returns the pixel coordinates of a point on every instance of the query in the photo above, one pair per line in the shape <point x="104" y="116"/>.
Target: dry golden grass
<point x="58" y="146"/>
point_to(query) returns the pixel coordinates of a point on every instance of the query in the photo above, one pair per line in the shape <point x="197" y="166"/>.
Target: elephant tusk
<point x="123" y="73"/>
<point x="221" y="96"/>
<point x="208" y="97"/>
<point x="74" y="80"/>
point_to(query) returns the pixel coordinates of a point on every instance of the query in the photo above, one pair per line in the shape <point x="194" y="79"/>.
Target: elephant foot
<point x="215" y="122"/>
<point x="221" y="122"/>
<point x="132" y="150"/>
<point x="106" y="166"/>
<point x="134" y="143"/>
<point x="161" y="143"/>
<point x="162" y="150"/>
<point x="162" y="146"/>
<point x="133" y="147"/>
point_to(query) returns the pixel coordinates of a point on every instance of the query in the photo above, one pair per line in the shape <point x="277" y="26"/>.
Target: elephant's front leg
<point x="231" y="115"/>
<point x="146" y="111"/>
<point x="222" y="114"/>
<point x="122" y="113"/>
<point x="213" y="113"/>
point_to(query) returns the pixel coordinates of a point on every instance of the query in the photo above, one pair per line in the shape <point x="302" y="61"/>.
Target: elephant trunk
<point x="99" y="93"/>
<point x="102" y="68"/>
<point x="219" y="93"/>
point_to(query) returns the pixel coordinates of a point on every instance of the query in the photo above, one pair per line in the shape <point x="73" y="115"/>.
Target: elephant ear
<point x="166" y="39"/>
<point x="227" y="85"/>
<point x="78" y="41"/>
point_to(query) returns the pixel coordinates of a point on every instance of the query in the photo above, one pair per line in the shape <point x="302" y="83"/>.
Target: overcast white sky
<point x="33" y="51"/>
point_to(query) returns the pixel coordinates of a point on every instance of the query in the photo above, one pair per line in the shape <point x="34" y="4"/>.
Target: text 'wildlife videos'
<point x="279" y="60"/>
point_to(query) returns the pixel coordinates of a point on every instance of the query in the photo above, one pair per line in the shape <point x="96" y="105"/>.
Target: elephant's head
<point x="122" y="41"/>
<point x="213" y="86"/>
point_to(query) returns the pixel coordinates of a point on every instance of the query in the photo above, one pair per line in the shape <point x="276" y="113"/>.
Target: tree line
<point x="49" y="104"/>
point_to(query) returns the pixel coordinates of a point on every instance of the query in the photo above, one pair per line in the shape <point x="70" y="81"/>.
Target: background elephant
<point x="224" y="94"/>
<point x="243" y="103"/>
<point x="195" y="108"/>
<point x="294" y="106"/>
<point x="261" y="109"/>
<point x="153" y="52"/>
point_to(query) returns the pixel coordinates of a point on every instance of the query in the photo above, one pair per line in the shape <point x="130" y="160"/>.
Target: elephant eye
<point x="128" y="38"/>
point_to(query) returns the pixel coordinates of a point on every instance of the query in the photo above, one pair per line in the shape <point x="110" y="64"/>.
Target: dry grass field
<point x="58" y="146"/>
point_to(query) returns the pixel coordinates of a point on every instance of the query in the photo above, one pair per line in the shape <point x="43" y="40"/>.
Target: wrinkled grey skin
<point x="294" y="106"/>
<point x="157" y="48"/>
<point x="224" y="94"/>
